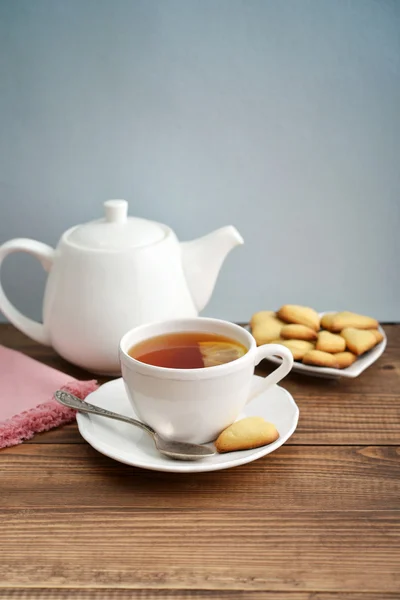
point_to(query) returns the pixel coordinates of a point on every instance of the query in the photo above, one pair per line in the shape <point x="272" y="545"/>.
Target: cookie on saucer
<point x="251" y="432"/>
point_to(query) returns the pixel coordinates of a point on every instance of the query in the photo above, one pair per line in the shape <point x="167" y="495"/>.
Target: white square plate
<point x="362" y="363"/>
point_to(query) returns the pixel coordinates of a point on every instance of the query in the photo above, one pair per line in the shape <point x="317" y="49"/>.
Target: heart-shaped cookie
<point x="346" y="319"/>
<point x="358" y="341"/>
<point x="345" y="359"/>
<point x="298" y="332"/>
<point x="297" y="347"/>
<point x="317" y="358"/>
<point x="330" y="342"/>
<point x="303" y="315"/>
<point x="246" y="434"/>
<point x="265" y="327"/>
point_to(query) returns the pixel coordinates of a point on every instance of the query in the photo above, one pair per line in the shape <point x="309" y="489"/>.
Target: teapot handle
<point x="45" y="254"/>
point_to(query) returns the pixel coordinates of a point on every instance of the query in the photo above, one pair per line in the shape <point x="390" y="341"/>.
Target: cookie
<point x="330" y="342"/>
<point x="248" y="433"/>
<point x="346" y="319"/>
<point x="297" y="347"/>
<point x="266" y="327"/>
<point x="358" y="341"/>
<point x="326" y="320"/>
<point x="260" y="316"/>
<point x="302" y="315"/>
<point x="345" y="359"/>
<point x="298" y="332"/>
<point x="318" y="358"/>
<point x="377" y="334"/>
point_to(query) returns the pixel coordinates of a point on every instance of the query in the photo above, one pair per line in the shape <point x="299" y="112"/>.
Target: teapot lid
<point x="116" y="231"/>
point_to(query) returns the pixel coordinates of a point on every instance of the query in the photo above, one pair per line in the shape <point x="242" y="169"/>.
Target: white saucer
<point x="362" y="362"/>
<point x="132" y="446"/>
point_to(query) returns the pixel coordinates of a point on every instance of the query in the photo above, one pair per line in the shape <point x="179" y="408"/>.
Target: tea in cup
<point x="191" y="378"/>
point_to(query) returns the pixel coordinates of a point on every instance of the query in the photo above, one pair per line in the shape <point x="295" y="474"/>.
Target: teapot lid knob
<point x="116" y="211"/>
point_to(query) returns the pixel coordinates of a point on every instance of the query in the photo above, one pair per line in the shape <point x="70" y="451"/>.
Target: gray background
<point x="280" y="117"/>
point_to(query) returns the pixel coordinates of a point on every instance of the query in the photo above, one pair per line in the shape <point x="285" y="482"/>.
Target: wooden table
<point x="318" y="519"/>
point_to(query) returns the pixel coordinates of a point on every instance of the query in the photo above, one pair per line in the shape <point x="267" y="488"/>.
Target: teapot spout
<point x="202" y="260"/>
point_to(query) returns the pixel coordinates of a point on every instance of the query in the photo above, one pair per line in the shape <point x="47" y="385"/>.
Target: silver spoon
<point x="177" y="450"/>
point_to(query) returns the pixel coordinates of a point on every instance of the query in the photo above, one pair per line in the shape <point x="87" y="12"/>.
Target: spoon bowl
<point x="175" y="450"/>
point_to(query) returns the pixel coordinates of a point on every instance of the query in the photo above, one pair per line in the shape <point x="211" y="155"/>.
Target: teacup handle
<point x="266" y="351"/>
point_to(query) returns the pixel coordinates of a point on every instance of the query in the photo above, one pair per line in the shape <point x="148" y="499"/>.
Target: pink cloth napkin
<point x="26" y="397"/>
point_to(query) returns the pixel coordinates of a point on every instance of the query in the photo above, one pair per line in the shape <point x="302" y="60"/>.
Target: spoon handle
<point x="73" y="402"/>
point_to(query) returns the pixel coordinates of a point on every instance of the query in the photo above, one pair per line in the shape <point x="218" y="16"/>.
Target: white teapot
<point x="112" y="274"/>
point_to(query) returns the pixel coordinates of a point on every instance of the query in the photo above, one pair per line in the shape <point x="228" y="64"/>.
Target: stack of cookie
<point x="334" y="341"/>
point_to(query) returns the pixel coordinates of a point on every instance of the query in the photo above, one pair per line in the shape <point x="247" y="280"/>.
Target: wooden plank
<point x="67" y="434"/>
<point x="361" y="411"/>
<point x="152" y="594"/>
<point x="386" y="369"/>
<point x="348" y="419"/>
<point x="344" y="419"/>
<point x="209" y="550"/>
<point x="328" y="478"/>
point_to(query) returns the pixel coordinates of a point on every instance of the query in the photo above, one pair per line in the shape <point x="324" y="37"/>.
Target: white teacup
<point x="195" y="405"/>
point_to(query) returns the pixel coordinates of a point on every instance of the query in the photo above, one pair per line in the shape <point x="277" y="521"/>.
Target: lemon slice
<point x="219" y="353"/>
